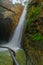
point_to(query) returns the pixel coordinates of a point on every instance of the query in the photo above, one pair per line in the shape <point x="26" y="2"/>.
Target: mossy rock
<point x="5" y="58"/>
<point x="21" y="57"/>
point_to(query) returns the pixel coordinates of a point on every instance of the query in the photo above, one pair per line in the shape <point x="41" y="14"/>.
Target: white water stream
<point x="16" y="39"/>
<point x="15" y="43"/>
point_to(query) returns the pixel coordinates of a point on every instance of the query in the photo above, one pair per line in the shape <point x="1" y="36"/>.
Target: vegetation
<point x="33" y="35"/>
<point x="21" y="57"/>
<point x="5" y="58"/>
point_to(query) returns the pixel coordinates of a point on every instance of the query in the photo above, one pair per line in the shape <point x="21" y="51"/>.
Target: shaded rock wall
<point x="9" y="21"/>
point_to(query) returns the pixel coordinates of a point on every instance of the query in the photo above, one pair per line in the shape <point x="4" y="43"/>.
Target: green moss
<point x="5" y="58"/>
<point x="21" y="57"/>
<point x="33" y="14"/>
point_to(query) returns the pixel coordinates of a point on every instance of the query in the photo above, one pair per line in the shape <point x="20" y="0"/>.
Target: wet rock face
<point x="5" y="27"/>
<point x="9" y="21"/>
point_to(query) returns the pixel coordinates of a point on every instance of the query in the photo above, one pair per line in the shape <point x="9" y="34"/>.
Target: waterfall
<point x="16" y="39"/>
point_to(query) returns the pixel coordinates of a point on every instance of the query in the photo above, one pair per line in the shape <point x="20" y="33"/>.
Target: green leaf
<point x="37" y="36"/>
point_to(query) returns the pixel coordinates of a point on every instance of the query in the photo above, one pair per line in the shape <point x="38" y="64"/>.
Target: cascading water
<point x="16" y="39"/>
<point x="14" y="44"/>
